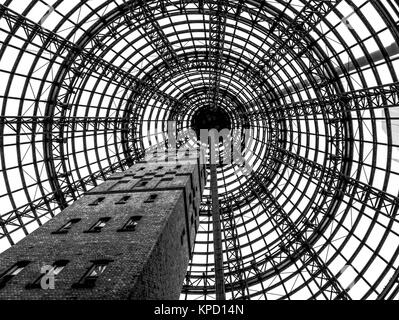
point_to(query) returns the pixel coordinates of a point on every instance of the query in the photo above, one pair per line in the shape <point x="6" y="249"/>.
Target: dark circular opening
<point x="207" y="118"/>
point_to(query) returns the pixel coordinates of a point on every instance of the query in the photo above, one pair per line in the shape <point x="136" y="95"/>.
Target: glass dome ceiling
<point x="88" y="86"/>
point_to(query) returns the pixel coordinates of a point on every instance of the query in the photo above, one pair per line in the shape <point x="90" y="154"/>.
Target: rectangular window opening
<point x="143" y="182"/>
<point x="131" y="224"/>
<point x="12" y="272"/>
<point x="124" y="200"/>
<point x="151" y="198"/>
<point x="67" y="227"/>
<point x="93" y="273"/>
<point x="57" y="267"/>
<point x="98" y="226"/>
<point x="97" y="202"/>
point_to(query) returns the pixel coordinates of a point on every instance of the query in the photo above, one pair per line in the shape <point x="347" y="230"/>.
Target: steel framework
<point x="311" y="88"/>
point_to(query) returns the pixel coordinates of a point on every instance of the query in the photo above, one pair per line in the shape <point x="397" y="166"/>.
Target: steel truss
<point x="86" y="90"/>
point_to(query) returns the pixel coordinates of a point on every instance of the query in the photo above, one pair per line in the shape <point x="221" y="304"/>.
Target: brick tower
<point x="129" y="238"/>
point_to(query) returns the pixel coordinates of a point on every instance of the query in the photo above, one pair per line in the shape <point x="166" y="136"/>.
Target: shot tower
<point x="129" y="238"/>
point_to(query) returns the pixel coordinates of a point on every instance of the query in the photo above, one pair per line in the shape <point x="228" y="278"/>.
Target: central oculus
<point x="207" y="118"/>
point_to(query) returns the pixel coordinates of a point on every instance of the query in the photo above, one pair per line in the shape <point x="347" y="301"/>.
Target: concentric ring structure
<point x="86" y="87"/>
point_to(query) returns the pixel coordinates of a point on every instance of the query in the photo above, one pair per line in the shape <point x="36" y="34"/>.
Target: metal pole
<point x="217" y="236"/>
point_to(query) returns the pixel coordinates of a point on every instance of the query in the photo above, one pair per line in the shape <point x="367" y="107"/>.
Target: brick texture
<point x="147" y="263"/>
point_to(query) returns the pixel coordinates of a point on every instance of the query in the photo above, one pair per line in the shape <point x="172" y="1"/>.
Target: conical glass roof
<point x="87" y="86"/>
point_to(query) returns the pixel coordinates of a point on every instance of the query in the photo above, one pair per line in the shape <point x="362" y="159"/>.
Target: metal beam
<point x="358" y="64"/>
<point x="379" y="97"/>
<point x="233" y="253"/>
<point x="78" y="60"/>
<point x="294" y="40"/>
<point x="78" y="63"/>
<point x="217" y="27"/>
<point x="293" y="238"/>
<point x="154" y="32"/>
<point x="217" y="236"/>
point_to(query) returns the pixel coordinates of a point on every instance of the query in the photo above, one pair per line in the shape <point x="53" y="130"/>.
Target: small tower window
<point x="66" y="227"/>
<point x="151" y="198"/>
<point x="143" y="182"/>
<point x="131" y="225"/>
<point x="123" y="200"/>
<point x="97" y="202"/>
<point x="93" y="273"/>
<point x="12" y="272"/>
<point x="57" y="267"/>
<point x="99" y="225"/>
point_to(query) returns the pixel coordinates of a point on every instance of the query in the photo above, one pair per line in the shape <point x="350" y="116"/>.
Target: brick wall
<point x="147" y="263"/>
